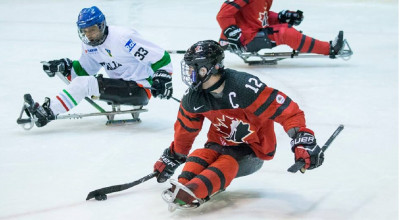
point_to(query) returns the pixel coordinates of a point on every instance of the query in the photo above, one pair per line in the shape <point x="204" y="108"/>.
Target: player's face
<point x="92" y="33"/>
<point x="203" y="72"/>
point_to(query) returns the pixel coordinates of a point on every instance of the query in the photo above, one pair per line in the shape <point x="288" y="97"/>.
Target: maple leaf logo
<point x="234" y="130"/>
<point x="263" y="18"/>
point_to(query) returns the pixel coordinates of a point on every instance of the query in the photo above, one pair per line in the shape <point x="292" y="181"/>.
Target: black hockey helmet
<point x="200" y="62"/>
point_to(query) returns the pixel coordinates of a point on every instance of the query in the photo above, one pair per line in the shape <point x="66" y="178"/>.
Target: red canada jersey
<point x="245" y="114"/>
<point x="248" y="15"/>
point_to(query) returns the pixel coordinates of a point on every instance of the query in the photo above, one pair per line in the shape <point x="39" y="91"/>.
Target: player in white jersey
<point x="136" y="68"/>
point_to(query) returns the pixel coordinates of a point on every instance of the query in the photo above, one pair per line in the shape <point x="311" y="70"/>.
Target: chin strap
<point x="216" y="85"/>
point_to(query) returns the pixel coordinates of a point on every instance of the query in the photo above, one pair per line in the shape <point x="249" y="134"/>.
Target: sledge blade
<point x="122" y="122"/>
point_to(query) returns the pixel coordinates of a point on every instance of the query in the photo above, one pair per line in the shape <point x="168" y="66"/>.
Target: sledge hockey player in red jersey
<point x="242" y="110"/>
<point x="249" y="26"/>
<point x="133" y="64"/>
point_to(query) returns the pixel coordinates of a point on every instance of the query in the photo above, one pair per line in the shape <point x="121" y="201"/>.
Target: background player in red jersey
<point x="242" y="111"/>
<point x="249" y="25"/>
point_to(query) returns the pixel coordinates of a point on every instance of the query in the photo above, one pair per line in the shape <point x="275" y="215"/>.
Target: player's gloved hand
<point x="305" y="148"/>
<point x="167" y="165"/>
<point x="233" y="34"/>
<point x="62" y="66"/>
<point x="162" y="85"/>
<point x="291" y="17"/>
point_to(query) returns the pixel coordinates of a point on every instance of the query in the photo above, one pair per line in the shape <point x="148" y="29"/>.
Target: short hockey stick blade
<point x="100" y="194"/>
<point x="300" y="163"/>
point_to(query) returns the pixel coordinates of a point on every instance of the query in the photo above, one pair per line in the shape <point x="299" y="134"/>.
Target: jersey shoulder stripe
<point x="281" y="108"/>
<point x="187" y="117"/>
<point x="267" y="103"/>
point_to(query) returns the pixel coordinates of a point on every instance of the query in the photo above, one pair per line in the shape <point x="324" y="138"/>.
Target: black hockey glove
<point x="167" y="165"/>
<point x="233" y="34"/>
<point x="305" y="148"/>
<point x="62" y="66"/>
<point x="291" y="17"/>
<point x="162" y="85"/>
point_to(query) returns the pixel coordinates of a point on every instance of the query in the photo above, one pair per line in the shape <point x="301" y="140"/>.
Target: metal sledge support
<point x="346" y="52"/>
<point x="273" y="57"/>
<point x="28" y="123"/>
<point x="169" y="197"/>
<point x="109" y="114"/>
<point x="134" y="112"/>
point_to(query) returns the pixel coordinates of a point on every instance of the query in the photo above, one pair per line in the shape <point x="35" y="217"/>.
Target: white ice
<point x="46" y="173"/>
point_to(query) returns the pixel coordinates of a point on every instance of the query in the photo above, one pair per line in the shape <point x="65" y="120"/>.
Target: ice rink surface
<point x="46" y="173"/>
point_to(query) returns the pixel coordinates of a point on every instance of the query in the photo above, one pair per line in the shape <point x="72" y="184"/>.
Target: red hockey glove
<point x="291" y="17"/>
<point x="305" y="148"/>
<point x="62" y="66"/>
<point x="167" y="165"/>
<point x="233" y="34"/>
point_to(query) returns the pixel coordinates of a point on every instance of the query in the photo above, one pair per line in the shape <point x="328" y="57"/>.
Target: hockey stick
<point x="300" y="163"/>
<point x="100" y="194"/>
<point x="177" y="51"/>
<point x="175" y="99"/>
<point x="94" y="104"/>
<point x="171" y="96"/>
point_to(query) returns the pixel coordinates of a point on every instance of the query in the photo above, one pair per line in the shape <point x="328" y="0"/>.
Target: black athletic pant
<point x="261" y="41"/>
<point x="121" y="92"/>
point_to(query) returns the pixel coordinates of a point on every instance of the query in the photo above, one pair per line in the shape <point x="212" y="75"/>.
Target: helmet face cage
<point x="191" y="74"/>
<point x="188" y="74"/>
<point x="89" y="17"/>
<point x="205" y="54"/>
<point x="99" y="40"/>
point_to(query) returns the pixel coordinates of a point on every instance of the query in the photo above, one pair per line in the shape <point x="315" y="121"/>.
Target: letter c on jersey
<point x="233" y="94"/>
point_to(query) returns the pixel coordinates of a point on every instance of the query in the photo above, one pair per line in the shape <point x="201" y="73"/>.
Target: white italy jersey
<point x="124" y="55"/>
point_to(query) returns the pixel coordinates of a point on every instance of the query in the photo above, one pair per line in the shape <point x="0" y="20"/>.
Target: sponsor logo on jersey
<point x="91" y="51"/>
<point x="130" y="45"/>
<point x="110" y="66"/>
<point x="109" y="52"/>
<point x="280" y="99"/>
<point x="234" y="130"/>
<point x="197" y="108"/>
